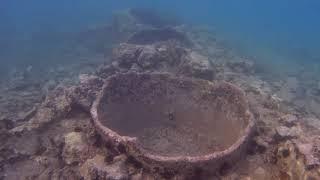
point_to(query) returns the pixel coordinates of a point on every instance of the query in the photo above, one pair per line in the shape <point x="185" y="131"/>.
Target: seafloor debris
<point x="98" y="168"/>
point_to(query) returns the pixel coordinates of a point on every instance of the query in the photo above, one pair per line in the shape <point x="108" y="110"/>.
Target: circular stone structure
<point x="173" y="124"/>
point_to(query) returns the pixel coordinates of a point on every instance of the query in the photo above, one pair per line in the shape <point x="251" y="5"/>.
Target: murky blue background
<point x="273" y="31"/>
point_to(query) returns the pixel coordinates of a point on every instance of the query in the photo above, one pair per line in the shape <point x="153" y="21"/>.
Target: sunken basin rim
<point x="132" y="148"/>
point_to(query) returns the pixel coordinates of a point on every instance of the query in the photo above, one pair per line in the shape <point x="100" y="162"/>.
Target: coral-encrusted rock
<point x="75" y="149"/>
<point x="60" y="102"/>
<point x="284" y="132"/>
<point x="310" y="151"/>
<point x="313" y="122"/>
<point x="197" y="65"/>
<point x="161" y="57"/>
<point x="148" y="57"/>
<point x="84" y="94"/>
<point x="261" y="173"/>
<point x="289" y="120"/>
<point x="126" y="54"/>
<point x="244" y="66"/>
<point x="97" y="168"/>
<point x="158" y="56"/>
<point x="56" y="105"/>
<point x="104" y="71"/>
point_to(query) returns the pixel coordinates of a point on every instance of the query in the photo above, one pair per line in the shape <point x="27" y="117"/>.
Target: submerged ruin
<point x="176" y="124"/>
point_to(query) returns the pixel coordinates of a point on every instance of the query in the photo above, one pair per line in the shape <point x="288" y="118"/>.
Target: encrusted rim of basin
<point x="131" y="147"/>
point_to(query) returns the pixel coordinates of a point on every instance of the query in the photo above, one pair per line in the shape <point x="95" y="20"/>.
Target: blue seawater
<point x="272" y="31"/>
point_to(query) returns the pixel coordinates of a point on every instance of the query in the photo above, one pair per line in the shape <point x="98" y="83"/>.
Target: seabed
<point x="47" y="132"/>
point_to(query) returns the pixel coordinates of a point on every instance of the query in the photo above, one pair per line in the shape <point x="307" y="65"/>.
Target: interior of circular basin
<point x="172" y="116"/>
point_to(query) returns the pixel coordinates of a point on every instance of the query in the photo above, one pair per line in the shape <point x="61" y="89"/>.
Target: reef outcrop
<point x="159" y="57"/>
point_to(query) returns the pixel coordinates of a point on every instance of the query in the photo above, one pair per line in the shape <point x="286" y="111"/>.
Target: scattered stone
<point x="284" y="132"/>
<point x="97" y="168"/>
<point x="310" y="151"/>
<point x="25" y="116"/>
<point x="198" y="66"/>
<point x="27" y="145"/>
<point x="84" y="95"/>
<point x="289" y="120"/>
<point x="313" y="122"/>
<point x="244" y="66"/>
<point x="75" y="149"/>
<point x="260" y="174"/>
<point x="46" y="161"/>
<point x="261" y="144"/>
<point x="137" y="176"/>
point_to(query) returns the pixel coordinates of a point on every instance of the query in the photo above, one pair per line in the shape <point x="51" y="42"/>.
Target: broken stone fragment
<point x="148" y="57"/>
<point x="97" y="168"/>
<point x="84" y="94"/>
<point x="313" y="122"/>
<point x="198" y="66"/>
<point x="284" y="132"/>
<point x="289" y="120"/>
<point x="125" y="55"/>
<point x="135" y="68"/>
<point x="243" y="66"/>
<point x="261" y="173"/>
<point x="104" y="71"/>
<point x="310" y="151"/>
<point x="25" y="116"/>
<point x="261" y="144"/>
<point x="75" y="149"/>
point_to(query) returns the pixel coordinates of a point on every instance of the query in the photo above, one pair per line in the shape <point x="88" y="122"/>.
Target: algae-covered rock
<point x="75" y="149"/>
<point x="285" y="133"/>
<point x="162" y="57"/>
<point x="310" y="150"/>
<point x="198" y="66"/>
<point x="289" y="120"/>
<point x="97" y="168"/>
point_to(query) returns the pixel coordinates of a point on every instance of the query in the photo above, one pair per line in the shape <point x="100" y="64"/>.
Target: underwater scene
<point x="157" y="90"/>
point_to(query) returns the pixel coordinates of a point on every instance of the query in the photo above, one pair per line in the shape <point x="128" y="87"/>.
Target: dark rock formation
<point x="245" y="66"/>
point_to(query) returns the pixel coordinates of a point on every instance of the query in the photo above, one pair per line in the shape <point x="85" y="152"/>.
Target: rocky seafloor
<point x="46" y="130"/>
